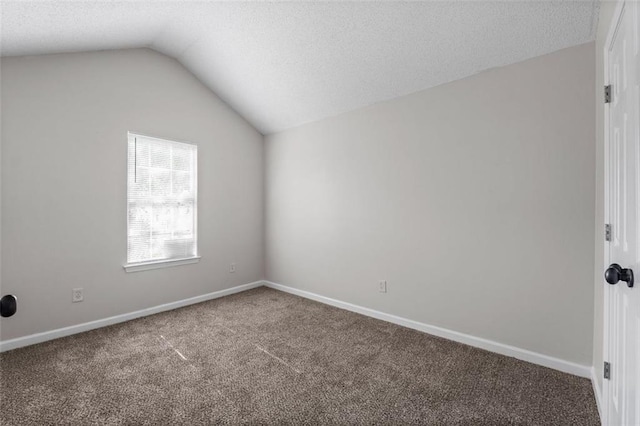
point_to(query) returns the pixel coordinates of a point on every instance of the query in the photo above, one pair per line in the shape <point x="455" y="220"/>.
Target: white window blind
<point x="161" y="200"/>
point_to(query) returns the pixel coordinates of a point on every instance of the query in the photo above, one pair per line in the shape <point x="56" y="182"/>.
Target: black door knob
<point x="8" y="305"/>
<point x="616" y="273"/>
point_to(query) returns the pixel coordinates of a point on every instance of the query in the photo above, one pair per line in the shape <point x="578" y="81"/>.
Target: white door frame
<point x="613" y="29"/>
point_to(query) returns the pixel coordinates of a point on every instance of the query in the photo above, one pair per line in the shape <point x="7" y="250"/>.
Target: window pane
<point x="139" y="220"/>
<point x="181" y="184"/>
<point x="181" y="159"/>
<point x="139" y="152"/>
<point x="138" y="183"/>
<point x="183" y="224"/>
<point x="160" y="182"/>
<point x="162" y="202"/>
<point x="160" y="155"/>
<point x="139" y="248"/>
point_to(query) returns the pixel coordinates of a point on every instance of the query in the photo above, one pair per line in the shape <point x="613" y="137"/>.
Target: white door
<point x="622" y="302"/>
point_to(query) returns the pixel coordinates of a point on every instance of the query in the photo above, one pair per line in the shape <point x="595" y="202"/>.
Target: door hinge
<point x="607" y="232"/>
<point x="607" y="94"/>
<point x="607" y="370"/>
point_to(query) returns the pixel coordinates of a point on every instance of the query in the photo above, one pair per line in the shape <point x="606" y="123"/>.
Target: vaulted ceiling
<point x="281" y="64"/>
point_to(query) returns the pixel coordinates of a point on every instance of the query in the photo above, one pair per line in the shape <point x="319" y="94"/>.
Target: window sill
<point x="145" y="266"/>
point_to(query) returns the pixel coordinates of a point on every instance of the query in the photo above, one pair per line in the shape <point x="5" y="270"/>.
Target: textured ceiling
<point x="282" y="64"/>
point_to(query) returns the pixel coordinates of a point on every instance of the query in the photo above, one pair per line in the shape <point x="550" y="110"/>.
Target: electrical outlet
<point x="232" y="268"/>
<point x="76" y="295"/>
<point x="382" y="286"/>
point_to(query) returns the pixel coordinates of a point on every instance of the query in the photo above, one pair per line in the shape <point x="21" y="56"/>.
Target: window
<point x="161" y="203"/>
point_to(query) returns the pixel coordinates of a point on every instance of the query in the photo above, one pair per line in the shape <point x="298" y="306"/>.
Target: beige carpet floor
<point x="267" y="357"/>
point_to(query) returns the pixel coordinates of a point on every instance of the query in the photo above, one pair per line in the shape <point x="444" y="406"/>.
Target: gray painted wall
<point x="474" y="200"/>
<point x="64" y="151"/>
<point x="448" y="194"/>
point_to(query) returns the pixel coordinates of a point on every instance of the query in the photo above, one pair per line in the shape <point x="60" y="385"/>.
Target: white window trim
<point x="165" y="263"/>
<point x="158" y="264"/>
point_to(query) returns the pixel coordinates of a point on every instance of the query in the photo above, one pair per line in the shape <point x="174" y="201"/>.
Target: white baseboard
<point x="598" y="393"/>
<point x="67" y="331"/>
<point x="523" y="354"/>
<point x="478" y="342"/>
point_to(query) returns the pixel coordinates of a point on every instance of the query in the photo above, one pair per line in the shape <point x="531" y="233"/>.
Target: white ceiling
<point x="282" y="64"/>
